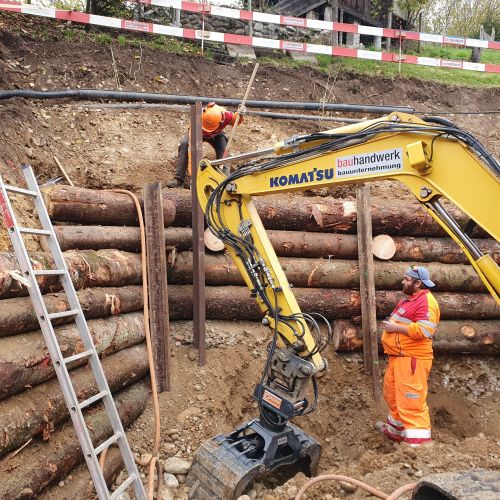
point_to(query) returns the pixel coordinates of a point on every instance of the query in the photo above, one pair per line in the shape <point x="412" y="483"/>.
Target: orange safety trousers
<point x="405" y="391"/>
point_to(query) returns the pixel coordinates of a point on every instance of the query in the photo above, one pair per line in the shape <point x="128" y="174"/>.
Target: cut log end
<point x="213" y="243"/>
<point x="468" y="331"/>
<point x="383" y="247"/>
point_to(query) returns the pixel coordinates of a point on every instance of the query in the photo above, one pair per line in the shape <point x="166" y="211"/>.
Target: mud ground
<point x="105" y="148"/>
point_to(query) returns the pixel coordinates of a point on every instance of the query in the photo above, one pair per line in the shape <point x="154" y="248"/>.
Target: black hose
<point x="90" y="94"/>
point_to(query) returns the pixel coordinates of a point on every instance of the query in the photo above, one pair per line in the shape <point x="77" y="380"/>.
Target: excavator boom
<point x="441" y="165"/>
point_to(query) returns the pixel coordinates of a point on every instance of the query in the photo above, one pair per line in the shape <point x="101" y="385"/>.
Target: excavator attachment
<point x="225" y="465"/>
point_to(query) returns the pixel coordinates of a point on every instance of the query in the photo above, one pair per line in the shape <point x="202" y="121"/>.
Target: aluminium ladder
<point x="60" y="363"/>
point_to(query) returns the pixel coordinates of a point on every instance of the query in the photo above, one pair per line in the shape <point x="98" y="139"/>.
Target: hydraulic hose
<point x="114" y="95"/>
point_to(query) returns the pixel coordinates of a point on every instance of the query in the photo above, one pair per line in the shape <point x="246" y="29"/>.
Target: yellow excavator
<point x="434" y="158"/>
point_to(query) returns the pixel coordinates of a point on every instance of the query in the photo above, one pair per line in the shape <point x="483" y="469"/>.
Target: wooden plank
<point x="199" y="313"/>
<point x="157" y="284"/>
<point x="367" y="287"/>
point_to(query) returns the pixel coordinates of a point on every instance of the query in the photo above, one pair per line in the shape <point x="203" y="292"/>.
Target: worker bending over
<point x="407" y="339"/>
<point x="214" y="120"/>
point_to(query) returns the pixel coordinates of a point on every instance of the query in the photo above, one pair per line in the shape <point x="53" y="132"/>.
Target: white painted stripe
<point x="471" y="42"/>
<point x="213" y="36"/>
<point x="429" y="37"/>
<point x="318" y="49"/>
<point x="368" y="54"/>
<point x="370" y="30"/>
<point x="262" y="17"/>
<point x="316" y="24"/>
<point x="418" y="433"/>
<point x="215" y="10"/>
<point x="110" y="22"/>
<point x="38" y="11"/>
<point x="265" y="42"/>
<point x="428" y="61"/>
<point x="474" y="66"/>
<point x="176" y="4"/>
<point x="168" y="30"/>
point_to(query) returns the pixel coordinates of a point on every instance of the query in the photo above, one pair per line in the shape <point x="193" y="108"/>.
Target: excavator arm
<point x="434" y="159"/>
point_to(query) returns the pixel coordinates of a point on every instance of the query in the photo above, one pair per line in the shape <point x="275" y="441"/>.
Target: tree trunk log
<point x="478" y="337"/>
<point x="25" y="361"/>
<point x="38" y="410"/>
<point x="234" y="302"/>
<point x="80" y="485"/>
<point x="113" y="237"/>
<point x="285" y="243"/>
<point x="92" y="206"/>
<point x="323" y="273"/>
<point x="18" y="316"/>
<point x="299" y="213"/>
<point x="87" y="268"/>
<point x="42" y="463"/>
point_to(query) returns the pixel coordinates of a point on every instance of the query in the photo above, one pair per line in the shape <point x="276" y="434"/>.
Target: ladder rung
<point x="18" y="190"/>
<point x="113" y="439"/>
<point x="48" y="272"/>
<point x="123" y="486"/>
<point x="63" y="314"/>
<point x="31" y="230"/>
<point x="93" y="399"/>
<point x="80" y="355"/>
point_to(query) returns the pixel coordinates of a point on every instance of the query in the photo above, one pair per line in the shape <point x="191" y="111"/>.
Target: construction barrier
<point x="214" y="36"/>
<point x="316" y="24"/>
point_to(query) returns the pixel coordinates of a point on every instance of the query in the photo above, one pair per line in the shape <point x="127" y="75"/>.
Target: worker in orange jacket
<point x="214" y="120"/>
<point x="407" y="339"/>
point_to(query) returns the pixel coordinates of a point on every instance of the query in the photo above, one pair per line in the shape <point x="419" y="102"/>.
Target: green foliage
<point x="112" y="8"/>
<point x="122" y="40"/>
<point x="103" y="38"/>
<point x="77" y="5"/>
<point x="391" y="70"/>
<point x="412" y="8"/>
<point x="462" y="17"/>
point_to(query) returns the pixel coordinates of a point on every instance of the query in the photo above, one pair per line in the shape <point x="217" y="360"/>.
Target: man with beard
<point x="407" y="339"/>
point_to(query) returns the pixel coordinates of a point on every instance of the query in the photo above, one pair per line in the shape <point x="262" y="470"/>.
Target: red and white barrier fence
<point x="315" y="24"/>
<point x="214" y="36"/>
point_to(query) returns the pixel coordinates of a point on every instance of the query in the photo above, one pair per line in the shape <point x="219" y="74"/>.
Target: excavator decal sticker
<point x="378" y="162"/>
<point x="272" y="399"/>
<point x="316" y="174"/>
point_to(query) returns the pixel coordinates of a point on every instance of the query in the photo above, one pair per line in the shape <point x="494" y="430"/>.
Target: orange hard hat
<point x="212" y="117"/>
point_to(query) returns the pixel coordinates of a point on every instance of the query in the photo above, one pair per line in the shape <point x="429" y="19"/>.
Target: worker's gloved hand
<point x="237" y="116"/>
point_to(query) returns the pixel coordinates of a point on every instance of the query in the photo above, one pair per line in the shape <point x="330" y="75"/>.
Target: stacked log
<point x="316" y="242"/>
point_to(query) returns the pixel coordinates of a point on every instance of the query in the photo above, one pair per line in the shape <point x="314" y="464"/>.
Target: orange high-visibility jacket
<point x="420" y="313"/>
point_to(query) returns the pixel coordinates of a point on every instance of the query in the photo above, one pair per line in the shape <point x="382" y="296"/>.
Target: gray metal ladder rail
<point x="60" y="363"/>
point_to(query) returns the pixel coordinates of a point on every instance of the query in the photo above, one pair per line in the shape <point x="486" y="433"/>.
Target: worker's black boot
<point x="175" y="183"/>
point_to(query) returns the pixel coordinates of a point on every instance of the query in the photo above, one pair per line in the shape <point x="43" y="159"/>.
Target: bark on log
<point x="113" y="237"/>
<point x="38" y="410"/>
<point x="323" y="273"/>
<point x="92" y="206"/>
<point x="478" y="337"/>
<point x="86" y="267"/>
<point x="42" y="463"/>
<point x="234" y="302"/>
<point x="18" y="316"/>
<point x="80" y="485"/>
<point x="285" y="243"/>
<point x="299" y="213"/>
<point x="25" y="361"/>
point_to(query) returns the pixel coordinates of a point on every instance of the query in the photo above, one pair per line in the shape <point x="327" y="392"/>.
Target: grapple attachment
<point x="226" y="464"/>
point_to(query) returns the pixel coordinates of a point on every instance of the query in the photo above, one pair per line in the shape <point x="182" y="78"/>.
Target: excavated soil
<point x="105" y="148"/>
